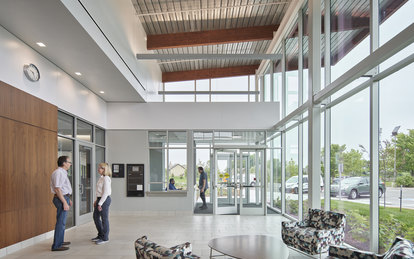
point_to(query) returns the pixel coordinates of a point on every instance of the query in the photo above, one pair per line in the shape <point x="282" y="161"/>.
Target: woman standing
<point x="101" y="205"/>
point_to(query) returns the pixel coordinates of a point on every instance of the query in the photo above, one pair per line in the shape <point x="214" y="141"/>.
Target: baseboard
<point x="28" y="242"/>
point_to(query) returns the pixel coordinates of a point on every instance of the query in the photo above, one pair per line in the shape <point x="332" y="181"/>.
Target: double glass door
<point x="238" y="181"/>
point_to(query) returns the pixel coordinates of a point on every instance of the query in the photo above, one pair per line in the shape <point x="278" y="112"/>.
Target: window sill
<point x="177" y="193"/>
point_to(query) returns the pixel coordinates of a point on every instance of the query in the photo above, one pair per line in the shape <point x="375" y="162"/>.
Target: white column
<point x="300" y="126"/>
<point x="327" y="131"/>
<point x="374" y="133"/>
<point x="314" y="147"/>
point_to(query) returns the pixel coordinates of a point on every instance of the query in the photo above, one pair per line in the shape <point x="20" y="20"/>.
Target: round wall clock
<point x="31" y="72"/>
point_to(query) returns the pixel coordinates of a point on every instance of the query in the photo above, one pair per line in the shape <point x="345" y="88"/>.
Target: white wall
<point x="122" y="27"/>
<point x="192" y="115"/>
<point x="54" y="86"/>
<point x="130" y="146"/>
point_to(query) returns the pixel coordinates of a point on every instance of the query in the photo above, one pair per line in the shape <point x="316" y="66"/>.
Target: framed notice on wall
<point x="118" y="170"/>
<point x="135" y="180"/>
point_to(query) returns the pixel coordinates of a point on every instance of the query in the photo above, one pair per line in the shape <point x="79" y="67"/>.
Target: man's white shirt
<point x="60" y="180"/>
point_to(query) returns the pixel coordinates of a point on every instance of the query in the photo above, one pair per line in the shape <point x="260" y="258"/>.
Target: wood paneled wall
<point x="28" y="154"/>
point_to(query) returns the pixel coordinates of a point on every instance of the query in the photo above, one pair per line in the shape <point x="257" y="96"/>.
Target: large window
<point x="350" y="164"/>
<point x="226" y="89"/>
<point x="168" y="159"/>
<point x="396" y="167"/>
<point x="291" y="169"/>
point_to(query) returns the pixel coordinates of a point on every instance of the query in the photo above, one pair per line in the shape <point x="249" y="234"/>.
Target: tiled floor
<point x="166" y="230"/>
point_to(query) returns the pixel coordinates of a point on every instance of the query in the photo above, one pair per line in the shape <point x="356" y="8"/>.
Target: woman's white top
<point x="103" y="188"/>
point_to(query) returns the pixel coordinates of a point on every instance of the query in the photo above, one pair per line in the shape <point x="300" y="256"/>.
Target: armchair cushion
<point x="312" y="235"/>
<point x="400" y="249"/>
<point x="343" y="252"/>
<point x="146" y="249"/>
<point x="316" y="220"/>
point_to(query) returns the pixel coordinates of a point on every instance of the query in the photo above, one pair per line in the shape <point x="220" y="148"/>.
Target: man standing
<point x="60" y="186"/>
<point x="203" y="186"/>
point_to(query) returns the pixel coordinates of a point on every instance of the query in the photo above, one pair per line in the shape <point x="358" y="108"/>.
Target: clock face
<point x="31" y="72"/>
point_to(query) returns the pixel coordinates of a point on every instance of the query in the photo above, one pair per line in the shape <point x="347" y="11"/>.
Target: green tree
<point x="405" y="152"/>
<point x="292" y="168"/>
<point x="354" y="164"/>
<point x="336" y="151"/>
<point x="386" y="157"/>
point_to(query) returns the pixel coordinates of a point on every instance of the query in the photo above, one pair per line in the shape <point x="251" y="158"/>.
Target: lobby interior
<point x="280" y="102"/>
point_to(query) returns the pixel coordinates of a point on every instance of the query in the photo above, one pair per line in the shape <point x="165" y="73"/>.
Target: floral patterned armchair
<point x="146" y="249"/>
<point x="316" y="233"/>
<point x="400" y="249"/>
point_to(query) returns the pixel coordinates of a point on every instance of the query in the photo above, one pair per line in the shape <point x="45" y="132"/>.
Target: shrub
<point x="406" y="180"/>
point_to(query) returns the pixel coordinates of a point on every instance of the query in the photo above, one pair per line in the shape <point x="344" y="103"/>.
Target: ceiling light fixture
<point x="102" y="92"/>
<point x="41" y="44"/>
<point x="78" y="73"/>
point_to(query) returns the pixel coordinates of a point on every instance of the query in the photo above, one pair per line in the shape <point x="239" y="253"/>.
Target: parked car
<point x="354" y="187"/>
<point x="292" y="184"/>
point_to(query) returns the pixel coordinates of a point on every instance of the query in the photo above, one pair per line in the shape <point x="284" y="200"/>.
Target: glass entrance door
<point x="252" y="182"/>
<point x="225" y="185"/>
<point x="84" y="175"/>
<point x="239" y="181"/>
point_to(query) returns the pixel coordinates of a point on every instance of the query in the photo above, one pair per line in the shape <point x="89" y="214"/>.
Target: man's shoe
<point x="203" y="208"/>
<point x="101" y="242"/>
<point x="65" y="243"/>
<point x="95" y="239"/>
<point x="62" y="248"/>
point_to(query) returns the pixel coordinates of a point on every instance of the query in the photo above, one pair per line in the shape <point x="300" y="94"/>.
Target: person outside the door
<point x="62" y="190"/>
<point x="102" y="203"/>
<point x="203" y="186"/>
<point x="171" y="186"/>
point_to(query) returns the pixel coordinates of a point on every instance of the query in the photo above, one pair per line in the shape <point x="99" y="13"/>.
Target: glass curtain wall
<point x="350" y="114"/>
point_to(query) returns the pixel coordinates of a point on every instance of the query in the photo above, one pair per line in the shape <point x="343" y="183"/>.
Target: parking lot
<point x="391" y="198"/>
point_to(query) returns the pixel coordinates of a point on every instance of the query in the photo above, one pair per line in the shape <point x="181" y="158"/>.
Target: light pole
<point x="394" y="134"/>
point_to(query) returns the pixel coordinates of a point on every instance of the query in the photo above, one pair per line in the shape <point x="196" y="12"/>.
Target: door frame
<point x="82" y="219"/>
<point x="238" y="152"/>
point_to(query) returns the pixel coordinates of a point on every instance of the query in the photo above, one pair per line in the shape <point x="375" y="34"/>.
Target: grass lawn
<point x="406" y="215"/>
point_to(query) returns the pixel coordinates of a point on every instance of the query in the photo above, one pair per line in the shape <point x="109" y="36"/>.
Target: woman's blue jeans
<point x="101" y="219"/>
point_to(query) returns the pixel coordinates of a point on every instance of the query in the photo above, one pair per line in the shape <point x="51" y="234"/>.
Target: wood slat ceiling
<point x="350" y="25"/>
<point x="173" y="16"/>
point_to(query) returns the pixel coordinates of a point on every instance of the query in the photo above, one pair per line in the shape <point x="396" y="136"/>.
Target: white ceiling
<point x="68" y="46"/>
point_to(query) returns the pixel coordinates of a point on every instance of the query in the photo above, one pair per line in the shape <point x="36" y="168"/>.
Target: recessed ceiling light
<point x="41" y="44"/>
<point x="145" y="38"/>
<point x="102" y="92"/>
<point x="78" y="73"/>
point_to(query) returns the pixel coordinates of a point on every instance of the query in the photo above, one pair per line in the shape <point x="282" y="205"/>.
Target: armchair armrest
<point x="294" y="224"/>
<point x="185" y="248"/>
<point x="343" y="252"/>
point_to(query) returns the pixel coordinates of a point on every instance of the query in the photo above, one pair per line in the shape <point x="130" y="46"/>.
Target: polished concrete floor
<point x="166" y="229"/>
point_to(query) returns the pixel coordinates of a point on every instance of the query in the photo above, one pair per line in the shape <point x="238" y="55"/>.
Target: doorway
<point x="238" y="181"/>
<point x="84" y="182"/>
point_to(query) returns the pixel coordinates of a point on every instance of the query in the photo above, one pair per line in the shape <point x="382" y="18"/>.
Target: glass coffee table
<point x="249" y="246"/>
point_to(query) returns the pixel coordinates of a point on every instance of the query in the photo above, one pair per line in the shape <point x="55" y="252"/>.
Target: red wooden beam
<point x="208" y="73"/>
<point x="199" y="38"/>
